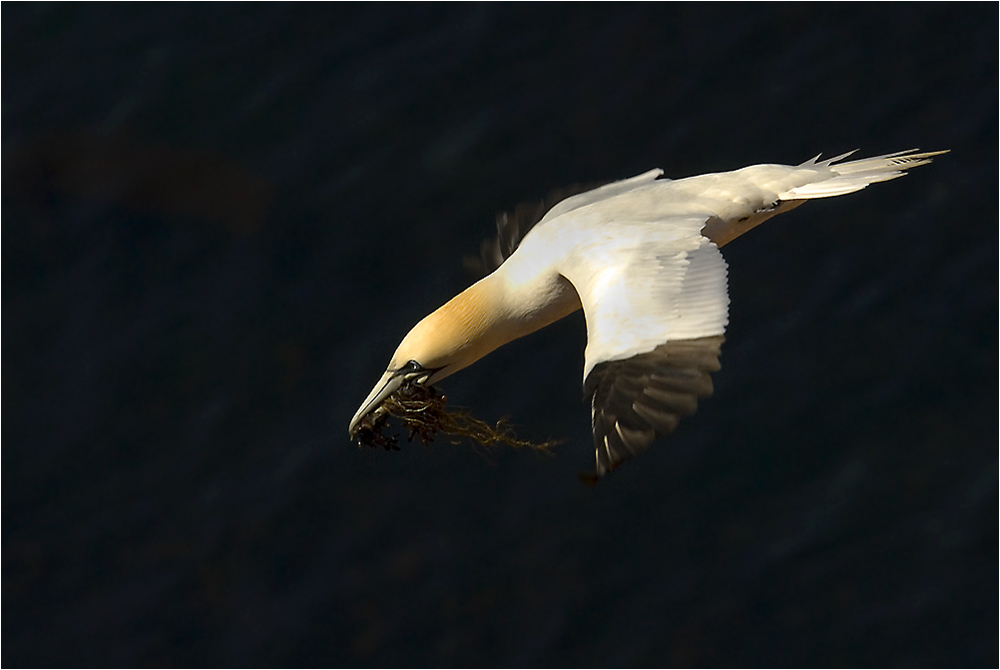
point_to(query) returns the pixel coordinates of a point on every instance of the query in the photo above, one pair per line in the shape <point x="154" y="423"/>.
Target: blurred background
<point x="220" y="220"/>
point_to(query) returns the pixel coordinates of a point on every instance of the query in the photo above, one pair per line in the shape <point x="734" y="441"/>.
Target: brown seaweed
<point x="421" y="409"/>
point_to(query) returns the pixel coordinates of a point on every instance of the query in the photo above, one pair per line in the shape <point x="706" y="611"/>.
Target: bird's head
<point x="444" y="342"/>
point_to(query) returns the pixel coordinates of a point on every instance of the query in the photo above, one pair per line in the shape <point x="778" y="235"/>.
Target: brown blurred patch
<point x="123" y="170"/>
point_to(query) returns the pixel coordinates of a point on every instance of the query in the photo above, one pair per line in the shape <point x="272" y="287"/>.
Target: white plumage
<point x="641" y="256"/>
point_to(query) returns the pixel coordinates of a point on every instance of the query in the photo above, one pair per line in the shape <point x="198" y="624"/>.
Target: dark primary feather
<point x="637" y="399"/>
<point x="513" y="226"/>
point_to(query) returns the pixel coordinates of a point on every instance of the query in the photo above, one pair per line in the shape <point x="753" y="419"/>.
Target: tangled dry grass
<point x="421" y="409"/>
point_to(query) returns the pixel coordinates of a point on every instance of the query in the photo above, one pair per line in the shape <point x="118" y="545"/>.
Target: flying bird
<point x="641" y="257"/>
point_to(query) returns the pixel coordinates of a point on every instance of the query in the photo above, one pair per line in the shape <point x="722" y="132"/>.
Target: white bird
<point x="641" y="257"/>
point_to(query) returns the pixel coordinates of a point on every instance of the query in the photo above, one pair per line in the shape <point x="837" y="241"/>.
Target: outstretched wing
<point x="643" y="256"/>
<point x="655" y="299"/>
<point x="763" y="191"/>
<point x="636" y="400"/>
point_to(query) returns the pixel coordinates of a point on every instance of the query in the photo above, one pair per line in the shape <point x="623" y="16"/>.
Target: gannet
<point x="641" y="257"/>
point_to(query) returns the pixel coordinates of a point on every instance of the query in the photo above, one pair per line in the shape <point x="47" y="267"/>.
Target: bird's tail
<point x="855" y="175"/>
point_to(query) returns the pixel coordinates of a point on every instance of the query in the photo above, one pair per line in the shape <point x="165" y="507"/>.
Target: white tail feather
<point x="855" y="175"/>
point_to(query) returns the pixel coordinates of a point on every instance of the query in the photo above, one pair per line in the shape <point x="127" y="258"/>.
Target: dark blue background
<point x="219" y="220"/>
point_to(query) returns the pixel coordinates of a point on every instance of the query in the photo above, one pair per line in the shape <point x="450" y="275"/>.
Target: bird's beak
<point x="386" y="386"/>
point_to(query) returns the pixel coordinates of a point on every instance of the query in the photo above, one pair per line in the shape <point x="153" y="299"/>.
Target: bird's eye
<point x="411" y="366"/>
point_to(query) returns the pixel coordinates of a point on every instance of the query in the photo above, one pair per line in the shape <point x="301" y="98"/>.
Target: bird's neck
<point x="491" y="313"/>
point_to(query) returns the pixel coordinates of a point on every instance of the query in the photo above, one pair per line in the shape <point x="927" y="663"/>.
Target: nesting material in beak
<point x="422" y="411"/>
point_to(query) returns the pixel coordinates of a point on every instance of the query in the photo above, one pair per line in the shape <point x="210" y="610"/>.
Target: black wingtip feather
<point x="636" y="400"/>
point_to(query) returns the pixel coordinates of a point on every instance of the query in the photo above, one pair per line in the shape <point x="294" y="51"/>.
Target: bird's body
<point x="641" y="257"/>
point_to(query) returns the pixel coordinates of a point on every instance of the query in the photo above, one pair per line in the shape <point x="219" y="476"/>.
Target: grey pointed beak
<point x="386" y="386"/>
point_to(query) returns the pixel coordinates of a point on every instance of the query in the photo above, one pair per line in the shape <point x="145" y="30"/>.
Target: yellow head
<point x="456" y="335"/>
